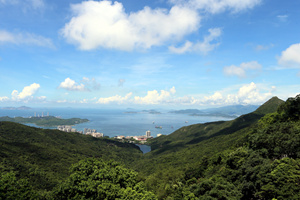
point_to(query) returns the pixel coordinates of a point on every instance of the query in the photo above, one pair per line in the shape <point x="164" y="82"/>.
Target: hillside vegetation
<point x="255" y="156"/>
<point x="44" y="156"/>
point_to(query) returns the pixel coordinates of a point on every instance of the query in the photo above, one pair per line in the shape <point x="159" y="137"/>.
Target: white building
<point x="148" y="134"/>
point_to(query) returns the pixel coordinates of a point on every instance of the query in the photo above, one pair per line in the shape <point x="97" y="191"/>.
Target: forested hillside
<point x="256" y="156"/>
<point x="247" y="158"/>
<point x="44" y="156"/>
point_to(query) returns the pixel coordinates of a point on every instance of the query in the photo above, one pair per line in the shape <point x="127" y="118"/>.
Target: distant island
<point x="47" y="121"/>
<point x="143" y="111"/>
<point x="17" y="108"/>
<point x="226" y="111"/>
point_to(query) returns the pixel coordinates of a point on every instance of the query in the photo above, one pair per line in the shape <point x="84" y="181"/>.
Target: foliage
<point x="256" y="156"/>
<point x="43" y="156"/>
<point x="13" y="188"/>
<point x="96" y="179"/>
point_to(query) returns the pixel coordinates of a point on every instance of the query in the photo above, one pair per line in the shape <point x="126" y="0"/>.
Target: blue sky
<point x="158" y="53"/>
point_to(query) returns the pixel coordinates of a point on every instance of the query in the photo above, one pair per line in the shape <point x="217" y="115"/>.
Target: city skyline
<point x="147" y="54"/>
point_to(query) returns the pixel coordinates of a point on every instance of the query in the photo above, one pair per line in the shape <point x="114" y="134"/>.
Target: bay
<point x="119" y="122"/>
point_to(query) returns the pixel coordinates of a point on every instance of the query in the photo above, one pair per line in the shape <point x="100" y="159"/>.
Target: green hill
<point x="255" y="156"/>
<point x="44" y="156"/>
<point x="185" y="149"/>
<point x="194" y="134"/>
<point x="270" y="106"/>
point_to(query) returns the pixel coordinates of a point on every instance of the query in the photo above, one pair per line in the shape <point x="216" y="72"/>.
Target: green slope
<point x="200" y="132"/>
<point x="174" y="154"/>
<point x="256" y="156"/>
<point x="44" y="156"/>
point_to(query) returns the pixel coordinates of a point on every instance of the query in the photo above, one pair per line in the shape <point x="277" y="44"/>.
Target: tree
<point x="13" y="188"/>
<point x="97" y="179"/>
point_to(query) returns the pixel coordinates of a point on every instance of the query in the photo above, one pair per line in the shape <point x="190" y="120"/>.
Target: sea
<point x="119" y="122"/>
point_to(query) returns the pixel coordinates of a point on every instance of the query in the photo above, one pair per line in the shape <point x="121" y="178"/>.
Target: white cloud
<point x="247" y="94"/>
<point x="33" y="4"/>
<point x="203" y="47"/>
<point x="282" y="18"/>
<point x="115" y="99"/>
<point x="290" y="57"/>
<point x="217" y="96"/>
<point x="241" y="70"/>
<point x="37" y="4"/>
<point x="107" y="25"/>
<point x="90" y="83"/>
<point x="42" y="98"/>
<point x="25" y="39"/>
<point x="4" y="98"/>
<point x="206" y="46"/>
<point x="61" y="101"/>
<point x="264" y="47"/>
<point x="71" y="85"/>
<point x="217" y="6"/>
<point x="26" y="93"/>
<point x="180" y="50"/>
<point x="154" y="97"/>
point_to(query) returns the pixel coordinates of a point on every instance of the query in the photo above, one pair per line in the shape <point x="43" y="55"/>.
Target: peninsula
<point x="46" y="121"/>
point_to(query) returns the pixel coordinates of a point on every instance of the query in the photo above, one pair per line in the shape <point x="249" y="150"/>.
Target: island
<point x="46" y="121"/>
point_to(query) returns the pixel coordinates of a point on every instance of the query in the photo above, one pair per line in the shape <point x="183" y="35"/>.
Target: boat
<point x="160" y="127"/>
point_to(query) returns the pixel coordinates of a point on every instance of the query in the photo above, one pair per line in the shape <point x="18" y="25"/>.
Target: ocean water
<point x="119" y="122"/>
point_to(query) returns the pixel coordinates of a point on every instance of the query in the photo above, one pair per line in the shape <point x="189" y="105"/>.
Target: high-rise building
<point x="148" y="134"/>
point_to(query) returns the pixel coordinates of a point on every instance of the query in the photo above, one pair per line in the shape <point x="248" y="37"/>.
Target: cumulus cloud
<point x="107" y="25"/>
<point x="203" y="47"/>
<point x="71" y="85"/>
<point x="115" y="99"/>
<point x="290" y="57"/>
<point x="247" y="94"/>
<point x="4" y="98"/>
<point x="24" y="39"/>
<point x="241" y="70"/>
<point x="26" y="93"/>
<point x="154" y="97"/>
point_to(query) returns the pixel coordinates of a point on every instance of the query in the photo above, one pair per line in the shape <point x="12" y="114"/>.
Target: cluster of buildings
<point x="141" y="139"/>
<point x="38" y="115"/>
<point x="67" y="128"/>
<point x="92" y="132"/>
<point x="87" y="131"/>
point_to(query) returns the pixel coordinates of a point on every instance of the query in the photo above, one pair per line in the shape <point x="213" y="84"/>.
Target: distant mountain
<point x="16" y="108"/>
<point x="235" y="110"/>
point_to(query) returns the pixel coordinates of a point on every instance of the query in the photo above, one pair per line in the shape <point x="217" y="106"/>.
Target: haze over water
<point x="119" y="122"/>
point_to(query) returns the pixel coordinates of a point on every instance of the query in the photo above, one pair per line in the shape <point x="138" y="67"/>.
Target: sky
<point x="148" y="53"/>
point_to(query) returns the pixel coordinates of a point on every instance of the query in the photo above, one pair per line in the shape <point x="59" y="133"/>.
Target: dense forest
<point x="255" y="156"/>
